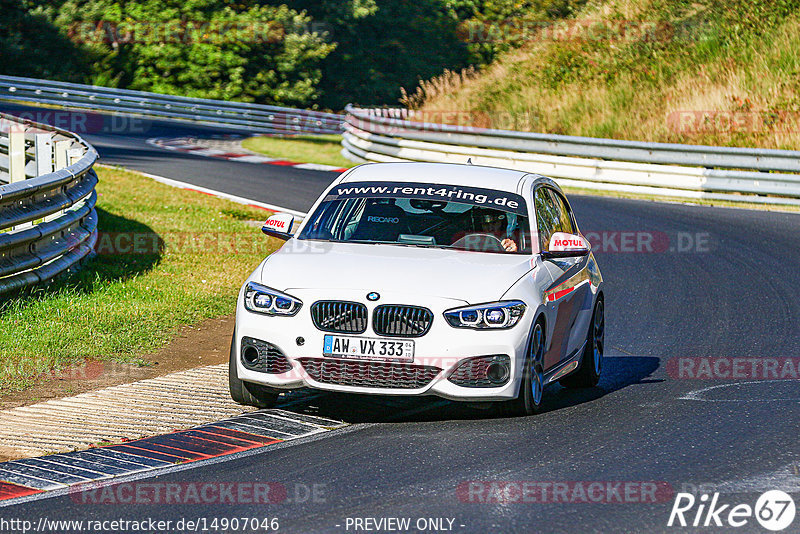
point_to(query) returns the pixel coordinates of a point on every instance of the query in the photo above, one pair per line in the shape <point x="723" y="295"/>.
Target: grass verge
<point x="323" y="149"/>
<point x="166" y="258"/>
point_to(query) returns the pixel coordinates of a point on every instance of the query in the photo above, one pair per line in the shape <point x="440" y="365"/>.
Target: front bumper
<point x="436" y="354"/>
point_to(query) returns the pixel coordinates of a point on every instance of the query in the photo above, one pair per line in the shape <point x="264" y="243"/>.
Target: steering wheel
<point x="480" y="243"/>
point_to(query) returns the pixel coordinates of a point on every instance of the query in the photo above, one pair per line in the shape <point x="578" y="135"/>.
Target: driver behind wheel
<point x="499" y="225"/>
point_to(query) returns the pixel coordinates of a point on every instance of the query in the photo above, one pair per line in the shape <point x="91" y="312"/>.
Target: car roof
<point x="439" y="173"/>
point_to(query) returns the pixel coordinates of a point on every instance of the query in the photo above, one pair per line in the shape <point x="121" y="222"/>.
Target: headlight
<point x="261" y="299"/>
<point x="485" y="316"/>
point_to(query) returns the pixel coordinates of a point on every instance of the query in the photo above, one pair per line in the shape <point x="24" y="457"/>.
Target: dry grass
<point x="668" y="91"/>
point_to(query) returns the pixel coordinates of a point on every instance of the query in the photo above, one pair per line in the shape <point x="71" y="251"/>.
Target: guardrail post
<point x="16" y="156"/>
<point x="44" y="153"/>
<point x="62" y="147"/>
<point x="16" y="164"/>
<point x="69" y="156"/>
<point x="73" y="155"/>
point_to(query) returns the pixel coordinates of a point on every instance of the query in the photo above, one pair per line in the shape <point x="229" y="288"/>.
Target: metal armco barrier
<point x="689" y="171"/>
<point x="48" y="222"/>
<point x="255" y="118"/>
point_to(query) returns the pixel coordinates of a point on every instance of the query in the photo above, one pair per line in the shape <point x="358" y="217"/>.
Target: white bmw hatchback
<point x="470" y="283"/>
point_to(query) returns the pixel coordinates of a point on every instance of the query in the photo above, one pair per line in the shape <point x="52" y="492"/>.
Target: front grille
<point x="339" y="316"/>
<point x="264" y="357"/>
<point x="402" y="321"/>
<point x="369" y="374"/>
<point x="473" y="373"/>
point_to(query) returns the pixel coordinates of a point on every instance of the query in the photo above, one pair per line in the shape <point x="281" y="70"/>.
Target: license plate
<point x="366" y="348"/>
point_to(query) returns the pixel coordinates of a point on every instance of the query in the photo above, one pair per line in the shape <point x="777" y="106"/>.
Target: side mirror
<point x="564" y="245"/>
<point x="279" y="225"/>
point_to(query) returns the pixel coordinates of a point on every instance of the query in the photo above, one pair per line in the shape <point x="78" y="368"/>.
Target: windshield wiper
<point x="371" y="242"/>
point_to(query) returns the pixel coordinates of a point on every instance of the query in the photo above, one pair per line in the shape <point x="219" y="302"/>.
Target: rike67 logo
<point x="774" y="510"/>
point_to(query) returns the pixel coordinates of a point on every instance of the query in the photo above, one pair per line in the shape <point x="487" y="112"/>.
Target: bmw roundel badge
<point x="373" y="296"/>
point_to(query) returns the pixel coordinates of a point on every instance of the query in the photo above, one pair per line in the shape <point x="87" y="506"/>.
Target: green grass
<point x="322" y="149"/>
<point x="123" y="306"/>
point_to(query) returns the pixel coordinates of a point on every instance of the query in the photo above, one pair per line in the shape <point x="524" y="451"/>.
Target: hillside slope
<point x="702" y="72"/>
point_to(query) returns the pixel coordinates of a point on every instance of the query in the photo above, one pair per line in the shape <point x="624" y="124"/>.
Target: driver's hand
<point x="509" y="245"/>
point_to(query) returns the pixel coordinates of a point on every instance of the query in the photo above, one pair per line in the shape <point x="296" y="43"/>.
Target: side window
<point x="547" y="219"/>
<point x="564" y="216"/>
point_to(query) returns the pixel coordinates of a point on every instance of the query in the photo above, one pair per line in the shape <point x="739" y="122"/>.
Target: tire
<point x="531" y="390"/>
<point x="247" y="393"/>
<point x="588" y="373"/>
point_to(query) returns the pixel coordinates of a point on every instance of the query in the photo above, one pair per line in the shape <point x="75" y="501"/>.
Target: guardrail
<point x="689" y="171"/>
<point x="48" y="222"/>
<point x="254" y="118"/>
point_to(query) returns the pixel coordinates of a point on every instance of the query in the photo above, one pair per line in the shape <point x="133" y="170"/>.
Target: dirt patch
<point x="207" y="343"/>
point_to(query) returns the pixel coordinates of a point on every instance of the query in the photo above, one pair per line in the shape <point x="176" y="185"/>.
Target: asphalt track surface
<point x="736" y="295"/>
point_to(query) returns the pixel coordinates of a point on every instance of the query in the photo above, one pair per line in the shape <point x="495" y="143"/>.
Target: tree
<point x="203" y="48"/>
<point x="30" y="45"/>
<point x="383" y="45"/>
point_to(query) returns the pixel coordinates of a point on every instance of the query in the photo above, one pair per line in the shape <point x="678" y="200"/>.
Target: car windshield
<point x="423" y="215"/>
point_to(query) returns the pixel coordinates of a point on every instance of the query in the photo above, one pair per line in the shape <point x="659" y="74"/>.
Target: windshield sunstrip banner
<point x="477" y="196"/>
